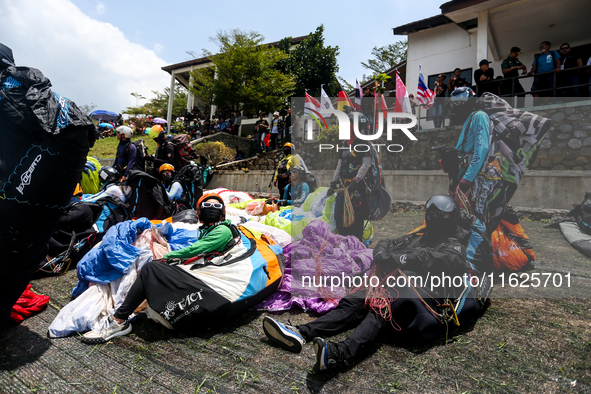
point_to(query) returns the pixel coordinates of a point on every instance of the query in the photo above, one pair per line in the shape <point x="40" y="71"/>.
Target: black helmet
<point x="435" y="211"/>
<point x="108" y="174"/>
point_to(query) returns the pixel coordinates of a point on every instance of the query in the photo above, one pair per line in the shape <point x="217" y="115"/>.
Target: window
<point x="467" y="74"/>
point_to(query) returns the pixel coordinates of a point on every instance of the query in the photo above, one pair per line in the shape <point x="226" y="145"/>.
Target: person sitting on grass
<point x="415" y="312"/>
<point x="165" y="286"/>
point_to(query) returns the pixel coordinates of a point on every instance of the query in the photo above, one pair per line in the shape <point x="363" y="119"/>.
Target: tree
<point x="215" y="152"/>
<point x="244" y="74"/>
<point x="387" y="56"/>
<point x="158" y="106"/>
<point x="312" y="64"/>
<point x="87" y="108"/>
<point x="138" y="97"/>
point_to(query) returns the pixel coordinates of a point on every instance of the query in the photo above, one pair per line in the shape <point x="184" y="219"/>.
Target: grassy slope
<point x="107" y="147"/>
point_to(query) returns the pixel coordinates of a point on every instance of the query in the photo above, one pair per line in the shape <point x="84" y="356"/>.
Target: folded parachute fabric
<point x="320" y="254"/>
<point x="115" y="254"/>
<point x="27" y="305"/>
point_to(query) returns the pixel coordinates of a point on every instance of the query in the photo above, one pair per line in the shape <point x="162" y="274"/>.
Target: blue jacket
<point x="475" y="140"/>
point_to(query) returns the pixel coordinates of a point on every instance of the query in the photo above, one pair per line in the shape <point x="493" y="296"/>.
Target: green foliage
<point x="313" y="64"/>
<point x="179" y="127"/>
<point x="387" y="56"/>
<point x="215" y="152"/>
<point x="158" y="106"/>
<point x="330" y="136"/>
<point x="381" y="79"/>
<point x="246" y="73"/>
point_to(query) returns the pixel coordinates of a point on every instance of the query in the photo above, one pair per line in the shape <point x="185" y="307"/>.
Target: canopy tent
<point x="100" y="114"/>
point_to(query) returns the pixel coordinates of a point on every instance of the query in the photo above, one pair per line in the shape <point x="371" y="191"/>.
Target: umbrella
<point x="102" y="114"/>
<point x="159" y="120"/>
<point x="105" y="124"/>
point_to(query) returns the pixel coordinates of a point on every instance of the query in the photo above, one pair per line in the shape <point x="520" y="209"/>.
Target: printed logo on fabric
<point x="26" y="177"/>
<point x="184" y="307"/>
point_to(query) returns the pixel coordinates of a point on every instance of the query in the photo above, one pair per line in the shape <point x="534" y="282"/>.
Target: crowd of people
<point x="548" y="65"/>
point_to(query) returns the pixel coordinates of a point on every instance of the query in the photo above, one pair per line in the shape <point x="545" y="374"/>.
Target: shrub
<point x="215" y="152"/>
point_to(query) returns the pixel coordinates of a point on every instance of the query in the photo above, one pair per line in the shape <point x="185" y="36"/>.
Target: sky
<point x="99" y="52"/>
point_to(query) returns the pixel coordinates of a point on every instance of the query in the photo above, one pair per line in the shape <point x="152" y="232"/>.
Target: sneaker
<point x="113" y="330"/>
<point x="287" y="337"/>
<point x="328" y="354"/>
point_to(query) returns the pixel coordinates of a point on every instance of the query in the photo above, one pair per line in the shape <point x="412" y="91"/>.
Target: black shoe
<point x="328" y="355"/>
<point x="288" y="337"/>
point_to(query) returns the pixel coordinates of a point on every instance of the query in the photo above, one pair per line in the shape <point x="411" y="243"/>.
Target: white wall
<point x="440" y="49"/>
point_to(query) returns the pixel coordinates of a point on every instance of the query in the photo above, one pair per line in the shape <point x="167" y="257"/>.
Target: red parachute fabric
<point x="27" y="305"/>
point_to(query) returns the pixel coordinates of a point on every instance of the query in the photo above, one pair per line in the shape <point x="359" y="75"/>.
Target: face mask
<point x="287" y="152"/>
<point x="166" y="178"/>
<point x="438" y="225"/>
<point x="210" y="215"/>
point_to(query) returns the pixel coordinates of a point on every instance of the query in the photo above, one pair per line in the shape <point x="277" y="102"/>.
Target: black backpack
<point x="191" y="178"/>
<point x="148" y="197"/>
<point x="311" y="181"/>
<point x="379" y="199"/>
<point x="182" y="148"/>
<point x="140" y="156"/>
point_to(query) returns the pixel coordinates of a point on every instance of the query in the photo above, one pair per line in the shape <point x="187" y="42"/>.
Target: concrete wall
<point x="538" y="189"/>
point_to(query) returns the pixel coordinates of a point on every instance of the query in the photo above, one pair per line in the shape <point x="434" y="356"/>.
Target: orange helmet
<point x="166" y="167"/>
<point x="207" y="197"/>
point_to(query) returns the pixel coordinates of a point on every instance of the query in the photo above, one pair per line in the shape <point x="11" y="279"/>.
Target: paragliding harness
<point x="140" y="156"/>
<point x="182" y="151"/>
<point x="148" y="197"/>
<point x="220" y="258"/>
<point x="60" y="264"/>
<point x="191" y="178"/>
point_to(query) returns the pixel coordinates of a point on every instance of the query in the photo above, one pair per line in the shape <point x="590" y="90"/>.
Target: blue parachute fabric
<point x="113" y="257"/>
<point x="181" y="238"/>
<point x="258" y="278"/>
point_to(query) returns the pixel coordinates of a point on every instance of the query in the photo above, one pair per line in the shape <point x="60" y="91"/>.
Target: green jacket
<point x="211" y="239"/>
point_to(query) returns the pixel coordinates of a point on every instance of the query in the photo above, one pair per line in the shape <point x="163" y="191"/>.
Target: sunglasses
<point x="216" y="205"/>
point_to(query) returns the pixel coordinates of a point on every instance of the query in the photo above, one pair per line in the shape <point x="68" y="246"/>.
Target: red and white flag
<point x="358" y="95"/>
<point x="402" y="100"/>
<point x="311" y="103"/>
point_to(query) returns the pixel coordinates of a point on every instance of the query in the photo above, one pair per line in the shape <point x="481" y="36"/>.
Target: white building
<point x="468" y="31"/>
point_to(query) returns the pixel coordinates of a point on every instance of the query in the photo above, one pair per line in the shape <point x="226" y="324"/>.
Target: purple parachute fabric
<point x="337" y="256"/>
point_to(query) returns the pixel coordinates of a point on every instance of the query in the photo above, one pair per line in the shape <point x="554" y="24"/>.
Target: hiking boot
<point x="113" y="330"/>
<point x="328" y="355"/>
<point x="287" y="337"/>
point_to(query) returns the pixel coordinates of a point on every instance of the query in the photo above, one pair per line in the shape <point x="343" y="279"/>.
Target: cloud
<point x="86" y="60"/>
<point x="158" y="47"/>
<point x="100" y="8"/>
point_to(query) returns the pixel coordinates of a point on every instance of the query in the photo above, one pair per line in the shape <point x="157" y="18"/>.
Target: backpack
<point x="311" y="181"/>
<point x="379" y="199"/>
<point x="191" y="178"/>
<point x="140" y="156"/>
<point x="148" y="197"/>
<point x="182" y="151"/>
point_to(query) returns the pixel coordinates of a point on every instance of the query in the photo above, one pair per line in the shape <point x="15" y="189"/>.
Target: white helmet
<point x="125" y="131"/>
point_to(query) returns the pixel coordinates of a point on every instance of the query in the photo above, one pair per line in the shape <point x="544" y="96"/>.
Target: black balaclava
<point x="210" y="215"/>
<point x="6" y="58"/>
<point x="435" y="210"/>
<point x="167" y="179"/>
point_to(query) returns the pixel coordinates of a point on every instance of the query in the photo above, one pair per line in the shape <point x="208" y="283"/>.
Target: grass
<point x="107" y="147"/>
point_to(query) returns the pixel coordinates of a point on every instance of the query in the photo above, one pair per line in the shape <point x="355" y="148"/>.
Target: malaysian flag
<point x="425" y="95"/>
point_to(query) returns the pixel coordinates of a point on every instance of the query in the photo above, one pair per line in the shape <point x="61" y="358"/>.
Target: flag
<point x="425" y="95"/>
<point x="325" y="102"/>
<point x="402" y="100"/>
<point x="344" y="100"/>
<point x="384" y="106"/>
<point x="358" y="95"/>
<point x="311" y="103"/>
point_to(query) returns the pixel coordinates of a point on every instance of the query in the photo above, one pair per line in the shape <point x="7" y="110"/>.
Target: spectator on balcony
<point x="456" y="81"/>
<point x="440" y="88"/>
<point x="566" y="77"/>
<point x="510" y="69"/>
<point x="545" y="62"/>
<point x="484" y="77"/>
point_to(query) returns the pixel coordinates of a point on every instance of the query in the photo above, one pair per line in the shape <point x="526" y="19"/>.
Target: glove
<point x="282" y="203"/>
<point x="334" y="184"/>
<point x="329" y="192"/>
<point x="275" y="183"/>
<point x="465" y="185"/>
<point x="270" y="185"/>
